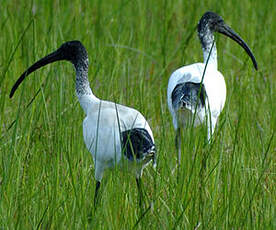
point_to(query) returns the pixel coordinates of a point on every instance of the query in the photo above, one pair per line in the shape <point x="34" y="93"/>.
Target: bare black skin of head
<point x="215" y="23"/>
<point x="72" y="51"/>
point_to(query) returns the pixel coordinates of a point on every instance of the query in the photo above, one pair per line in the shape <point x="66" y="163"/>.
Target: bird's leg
<point x="140" y="191"/>
<point x="98" y="183"/>
<point x="178" y="145"/>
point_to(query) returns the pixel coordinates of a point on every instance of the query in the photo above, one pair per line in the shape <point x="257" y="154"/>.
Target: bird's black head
<point x="210" y="20"/>
<point x="73" y="51"/>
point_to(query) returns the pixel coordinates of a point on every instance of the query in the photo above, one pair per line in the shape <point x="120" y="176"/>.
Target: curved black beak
<point x="52" y="57"/>
<point x="226" y="30"/>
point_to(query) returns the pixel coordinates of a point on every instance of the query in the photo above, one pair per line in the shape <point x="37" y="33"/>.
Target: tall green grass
<point x="47" y="174"/>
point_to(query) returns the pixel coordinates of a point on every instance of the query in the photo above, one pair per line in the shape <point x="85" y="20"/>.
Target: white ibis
<point x="114" y="134"/>
<point x="196" y="93"/>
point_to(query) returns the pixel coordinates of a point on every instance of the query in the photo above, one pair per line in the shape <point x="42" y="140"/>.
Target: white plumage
<point x="114" y="134"/>
<point x="215" y="89"/>
<point x="190" y="100"/>
<point x="101" y="130"/>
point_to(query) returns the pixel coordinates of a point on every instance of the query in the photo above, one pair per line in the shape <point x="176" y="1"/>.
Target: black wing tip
<point x="137" y="144"/>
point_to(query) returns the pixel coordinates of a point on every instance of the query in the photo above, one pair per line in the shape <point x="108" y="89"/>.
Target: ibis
<point x="114" y="134"/>
<point x="196" y="93"/>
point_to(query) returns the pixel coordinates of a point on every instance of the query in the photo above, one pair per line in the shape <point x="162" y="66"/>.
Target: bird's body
<point x="113" y="133"/>
<point x="196" y="93"/>
<point x="214" y="86"/>
<point x="102" y="130"/>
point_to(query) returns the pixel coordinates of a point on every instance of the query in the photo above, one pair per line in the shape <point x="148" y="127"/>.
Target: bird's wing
<point x="190" y="73"/>
<point x="189" y="95"/>
<point x="137" y="144"/>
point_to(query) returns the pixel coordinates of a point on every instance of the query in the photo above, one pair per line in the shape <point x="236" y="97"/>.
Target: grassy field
<point x="47" y="174"/>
